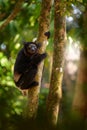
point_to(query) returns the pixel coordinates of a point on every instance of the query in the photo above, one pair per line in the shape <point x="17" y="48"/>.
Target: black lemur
<point x="26" y="65"/>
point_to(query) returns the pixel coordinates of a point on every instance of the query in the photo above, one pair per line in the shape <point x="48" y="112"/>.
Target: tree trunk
<point x="33" y="93"/>
<point x="55" y="92"/>
<point x="80" y="98"/>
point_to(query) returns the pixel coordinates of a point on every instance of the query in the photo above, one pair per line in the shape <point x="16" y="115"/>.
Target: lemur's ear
<point x="27" y="43"/>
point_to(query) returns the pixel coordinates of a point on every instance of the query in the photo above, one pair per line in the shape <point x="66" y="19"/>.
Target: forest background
<point x="19" y="21"/>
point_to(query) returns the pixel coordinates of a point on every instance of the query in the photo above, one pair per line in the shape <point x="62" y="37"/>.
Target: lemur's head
<point x="31" y="47"/>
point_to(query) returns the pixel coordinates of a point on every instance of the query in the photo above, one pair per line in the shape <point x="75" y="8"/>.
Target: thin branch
<point x="12" y="15"/>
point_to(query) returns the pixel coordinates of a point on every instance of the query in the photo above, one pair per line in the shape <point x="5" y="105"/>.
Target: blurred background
<point x="24" y="27"/>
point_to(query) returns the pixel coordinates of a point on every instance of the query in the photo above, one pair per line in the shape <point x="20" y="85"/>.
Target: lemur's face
<point x="32" y="48"/>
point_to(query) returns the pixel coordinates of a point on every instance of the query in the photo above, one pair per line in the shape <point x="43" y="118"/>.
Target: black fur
<point x="26" y="65"/>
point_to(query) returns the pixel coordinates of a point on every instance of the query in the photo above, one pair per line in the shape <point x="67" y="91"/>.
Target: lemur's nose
<point x="33" y="49"/>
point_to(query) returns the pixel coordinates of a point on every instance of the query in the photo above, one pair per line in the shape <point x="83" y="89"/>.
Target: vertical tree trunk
<point x="80" y="98"/>
<point x="33" y="93"/>
<point x="55" y="92"/>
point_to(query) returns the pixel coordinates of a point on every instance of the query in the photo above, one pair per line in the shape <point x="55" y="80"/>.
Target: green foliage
<point x="10" y="98"/>
<point x="23" y="27"/>
<point x="84" y="1"/>
<point x="77" y="28"/>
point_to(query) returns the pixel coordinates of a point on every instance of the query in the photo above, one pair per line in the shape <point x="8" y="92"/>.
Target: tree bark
<point x="12" y="15"/>
<point x="80" y="97"/>
<point x="55" y="92"/>
<point x="33" y="93"/>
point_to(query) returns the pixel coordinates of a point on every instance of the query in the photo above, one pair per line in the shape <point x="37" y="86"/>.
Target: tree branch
<point x="12" y="15"/>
